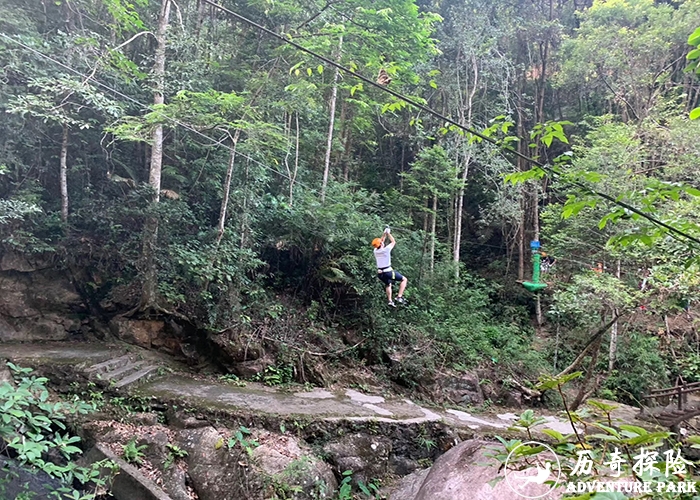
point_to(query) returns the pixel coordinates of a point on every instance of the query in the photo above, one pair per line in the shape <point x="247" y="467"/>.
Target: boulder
<point x="8" y="332"/>
<point x="143" y="333"/>
<point x="175" y="483"/>
<point x="249" y="369"/>
<point x="458" y="388"/>
<point x="408" y="486"/>
<point x="181" y="419"/>
<point x="288" y="463"/>
<point x="215" y="474"/>
<point x="235" y="348"/>
<point x="367" y="456"/>
<point x="255" y="470"/>
<point x="20" y="482"/>
<point x="6" y="375"/>
<point x="465" y="473"/>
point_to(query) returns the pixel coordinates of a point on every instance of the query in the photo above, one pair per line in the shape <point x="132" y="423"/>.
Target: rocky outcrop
<point x="365" y="455"/>
<point x="37" y="302"/>
<point x="20" y="482"/>
<point x="253" y="467"/>
<point x="456" y="388"/>
<point x="466" y="472"/>
<point x="241" y="356"/>
<point x="143" y="333"/>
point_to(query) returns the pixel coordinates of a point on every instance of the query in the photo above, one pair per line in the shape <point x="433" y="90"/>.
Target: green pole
<point x="535" y="285"/>
<point x="536" y="267"/>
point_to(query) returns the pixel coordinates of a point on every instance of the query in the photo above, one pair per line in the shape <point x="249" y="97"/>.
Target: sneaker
<point x="400" y="300"/>
<point x="391" y="304"/>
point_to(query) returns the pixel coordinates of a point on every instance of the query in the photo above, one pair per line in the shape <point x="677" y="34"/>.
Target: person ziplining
<point x="385" y="273"/>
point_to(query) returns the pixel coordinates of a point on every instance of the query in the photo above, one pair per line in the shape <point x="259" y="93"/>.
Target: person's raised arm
<point x="387" y="232"/>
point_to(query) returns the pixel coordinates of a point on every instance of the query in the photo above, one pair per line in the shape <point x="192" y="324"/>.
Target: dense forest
<point x="226" y="166"/>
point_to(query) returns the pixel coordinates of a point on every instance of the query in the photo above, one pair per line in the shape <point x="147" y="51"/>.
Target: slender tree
<point x="149" y="290"/>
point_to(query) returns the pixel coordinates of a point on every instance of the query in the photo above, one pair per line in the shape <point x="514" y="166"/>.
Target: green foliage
<point x="276" y="375"/>
<point x="347" y="487"/>
<point x="241" y="438"/>
<point x="133" y="453"/>
<point x="639" y="367"/>
<point x="15" y="211"/>
<point x="174" y="454"/>
<point x="34" y="426"/>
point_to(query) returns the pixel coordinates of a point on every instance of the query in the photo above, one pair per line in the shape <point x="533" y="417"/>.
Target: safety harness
<point x="387" y="270"/>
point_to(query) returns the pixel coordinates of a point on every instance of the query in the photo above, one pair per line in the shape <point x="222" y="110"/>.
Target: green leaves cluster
<point x="33" y="426"/>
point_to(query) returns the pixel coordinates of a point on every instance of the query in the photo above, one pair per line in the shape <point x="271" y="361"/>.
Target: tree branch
<point x="588" y="346"/>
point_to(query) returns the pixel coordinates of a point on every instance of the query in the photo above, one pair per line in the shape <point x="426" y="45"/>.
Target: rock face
<point x="253" y="471"/>
<point x="367" y="456"/>
<point x="289" y="464"/>
<point x="19" y="482"/>
<point x="143" y="333"/>
<point x="460" y="474"/>
<point x="37" y="302"/>
<point x="460" y="388"/>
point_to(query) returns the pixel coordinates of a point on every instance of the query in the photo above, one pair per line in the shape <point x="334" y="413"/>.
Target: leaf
<point x="693" y="54"/>
<point x="639" y="431"/>
<point x="555" y="434"/>
<point x="695" y="114"/>
<point x="694" y="38"/>
<point x="320" y="69"/>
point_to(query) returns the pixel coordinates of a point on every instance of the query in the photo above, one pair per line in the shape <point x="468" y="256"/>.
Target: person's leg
<point x="402" y="286"/>
<point x="388" y="292"/>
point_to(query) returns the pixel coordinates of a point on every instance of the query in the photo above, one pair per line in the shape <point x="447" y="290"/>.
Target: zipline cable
<point x="546" y="168"/>
<point x="211" y="139"/>
<point x="469" y="130"/>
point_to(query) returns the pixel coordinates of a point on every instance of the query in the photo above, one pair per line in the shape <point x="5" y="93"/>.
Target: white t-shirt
<point x="383" y="256"/>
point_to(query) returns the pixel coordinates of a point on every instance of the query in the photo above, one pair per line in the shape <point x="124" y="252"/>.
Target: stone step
<point x="124" y="371"/>
<point x="138" y="376"/>
<point x="110" y="364"/>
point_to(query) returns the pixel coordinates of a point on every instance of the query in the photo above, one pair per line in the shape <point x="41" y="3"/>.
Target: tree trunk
<point x="613" y="331"/>
<point x="523" y="191"/>
<point x="201" y="11"/>
<point x="64" y="176"/>
<point x="244" y="211"/>
<point x="521" y="241"/>
<point x="292" y="172"/>
<point x="536" y="237"/>
<point x="432" y="233"/>
<point x="331" y="125"/>
<point x="583" y="391"/>
<point x="227" y="187"/>
<point x="150" y="283"/>
<point x="467" y="120"/>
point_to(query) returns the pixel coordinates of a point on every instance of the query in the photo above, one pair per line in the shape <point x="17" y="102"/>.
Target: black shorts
<point x="389" y="276"/>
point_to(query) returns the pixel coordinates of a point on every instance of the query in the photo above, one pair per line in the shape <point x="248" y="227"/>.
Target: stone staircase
<point x="123" y="371"/>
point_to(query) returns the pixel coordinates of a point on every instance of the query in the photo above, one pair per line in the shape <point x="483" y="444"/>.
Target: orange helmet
<point x="376" y="242"/>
